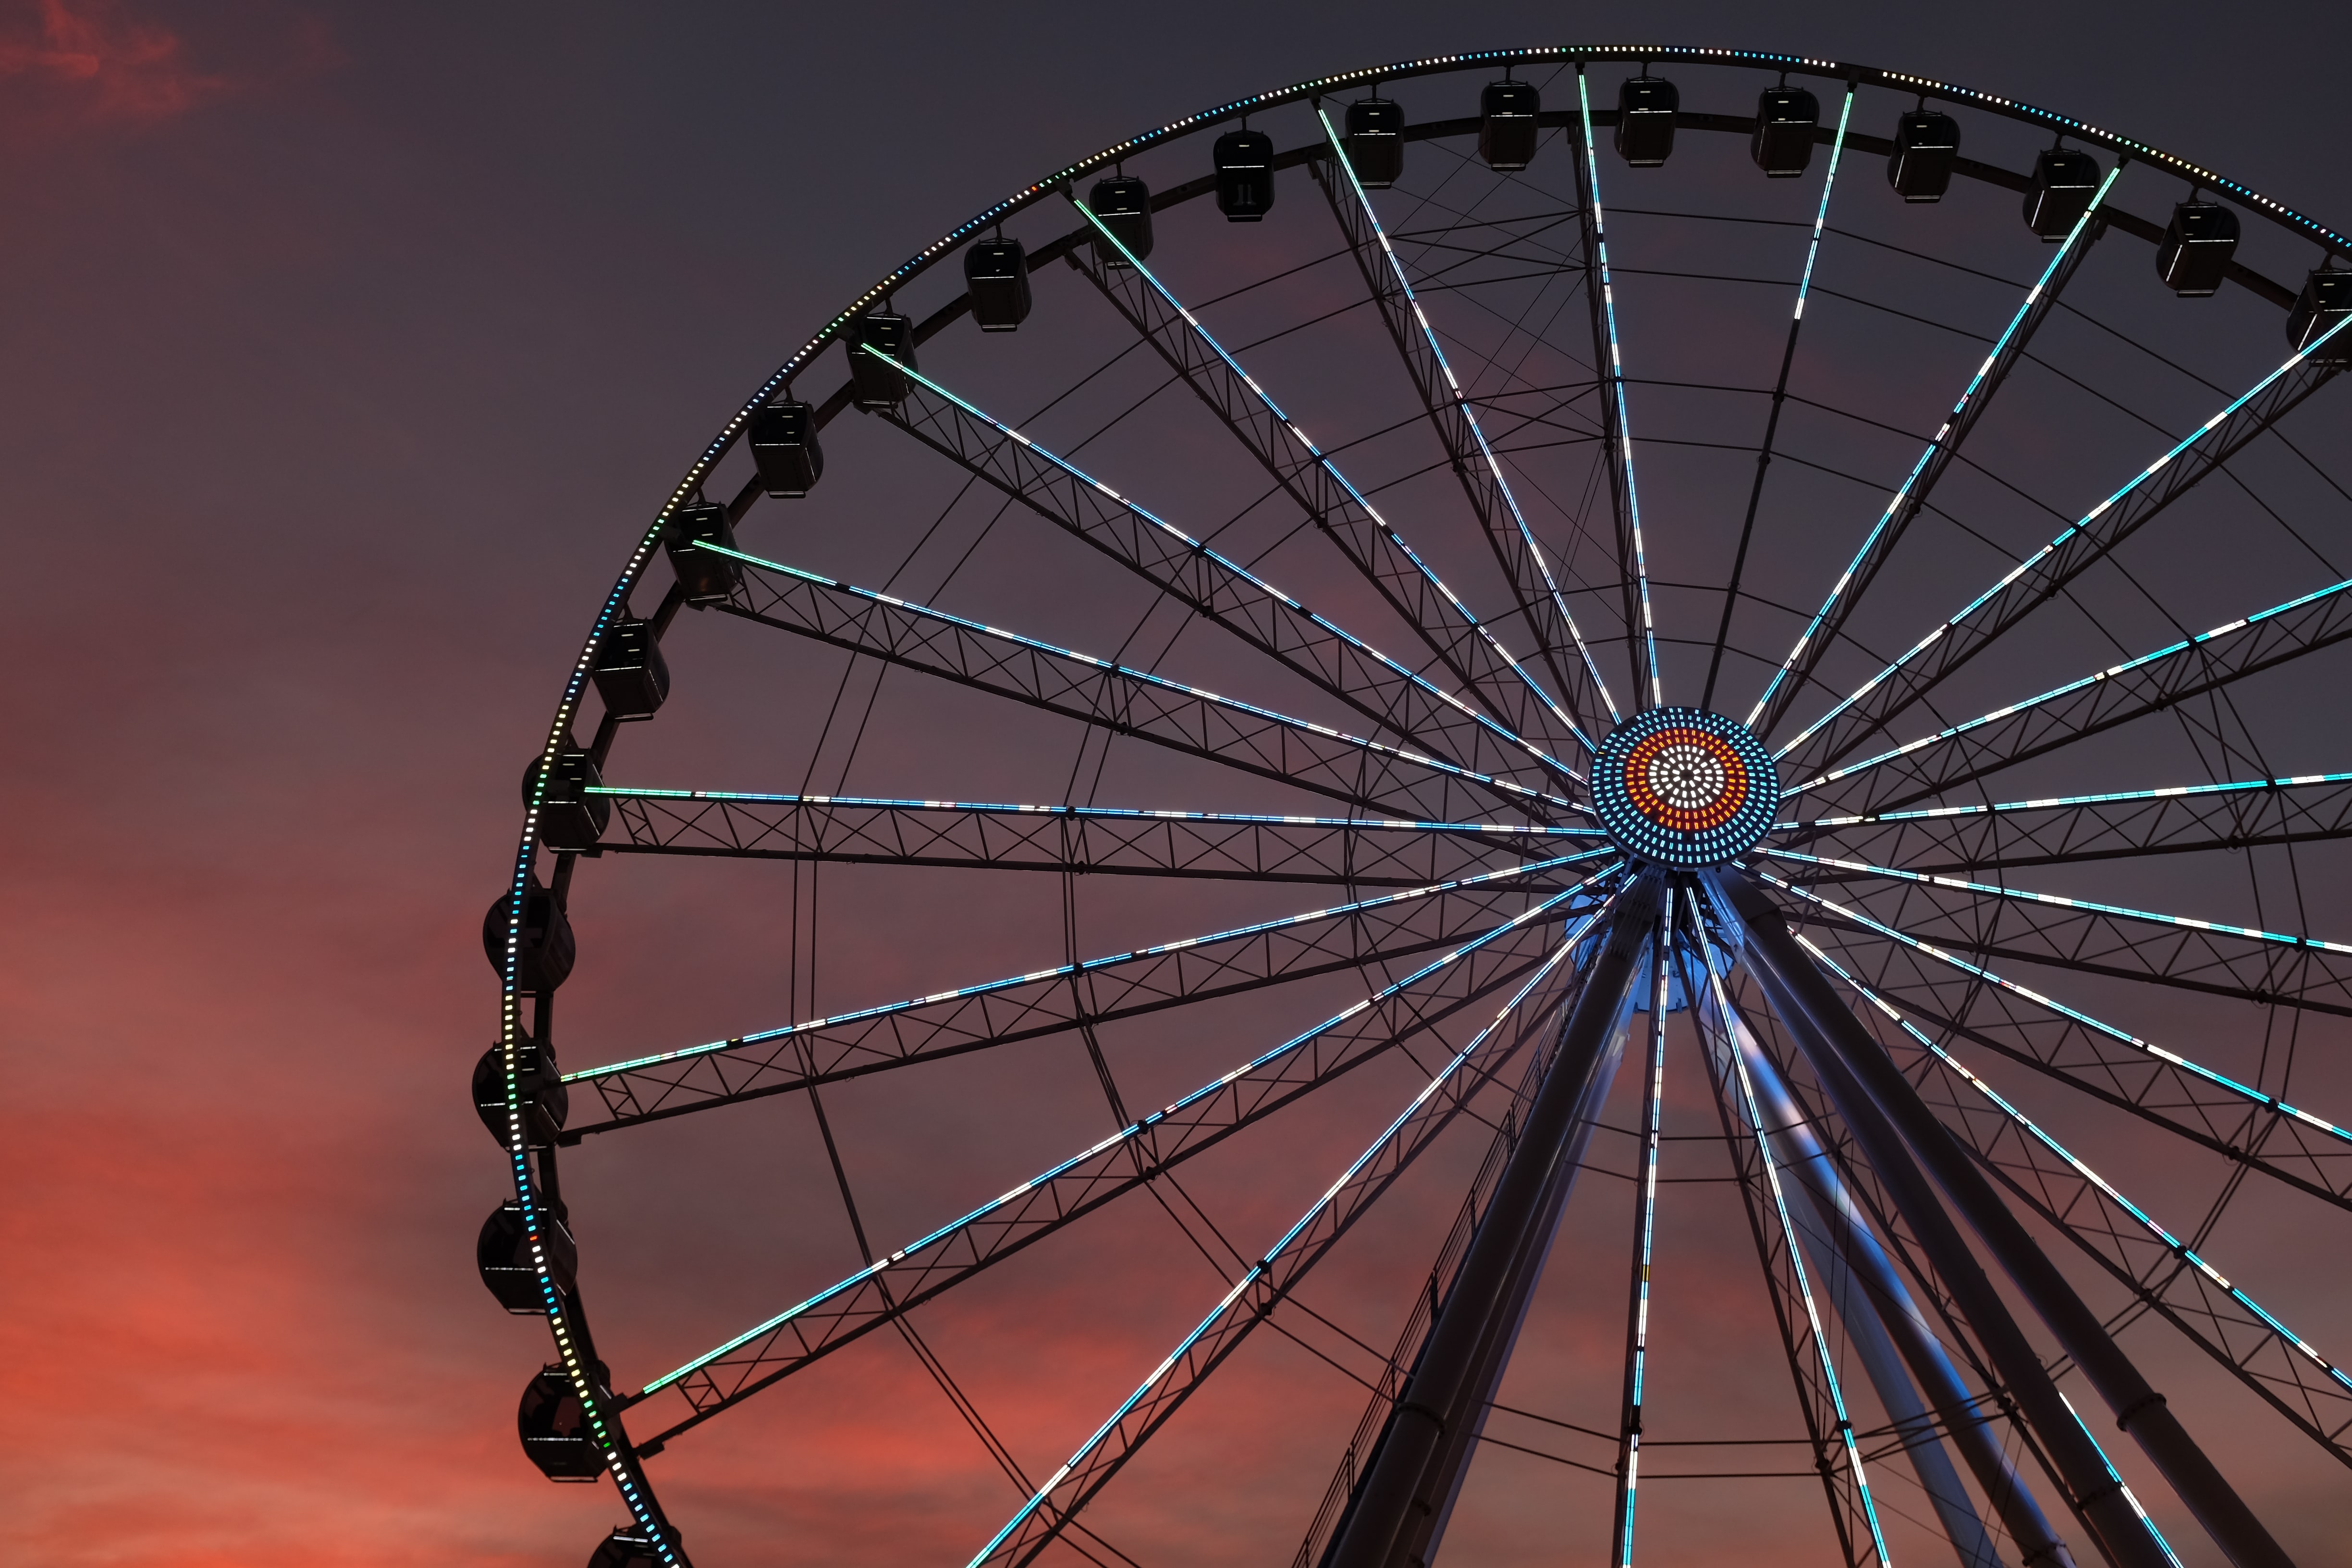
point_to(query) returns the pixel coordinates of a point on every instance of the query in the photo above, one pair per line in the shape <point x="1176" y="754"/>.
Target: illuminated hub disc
<point x="1680" y="787"/>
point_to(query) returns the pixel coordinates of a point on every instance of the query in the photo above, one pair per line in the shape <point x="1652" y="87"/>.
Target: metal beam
<point x="1406" y="1489"/>
<point x="1877" y="1100"/>
<point x="1366" y="852"/>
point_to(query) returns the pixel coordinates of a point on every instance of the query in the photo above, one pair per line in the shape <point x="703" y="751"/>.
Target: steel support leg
<point x="1890" y="1335"/>
<point x="1836" y="1045"/>
<point x="1412" y="1480"/>
<point x="1868" y="1289"/>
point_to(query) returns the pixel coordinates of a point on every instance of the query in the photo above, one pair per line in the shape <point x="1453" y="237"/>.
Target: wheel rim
<point x="1490" y="724"/>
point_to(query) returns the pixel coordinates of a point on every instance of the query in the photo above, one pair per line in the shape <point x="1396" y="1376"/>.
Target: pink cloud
<point x="102" y="67"/>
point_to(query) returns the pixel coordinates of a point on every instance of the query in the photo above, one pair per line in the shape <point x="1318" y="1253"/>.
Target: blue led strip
<point x="1133" y="1130"/>
<point x="1428" y="573"/>
<point x="1086" y="966"/>
<point x="2162" y="1544"/>
<point x="1821" y="214"/>
<point x="1629" y="1443"/>
<point x="1469" y="416"/>
<point x="2171" y="1243"/>
<point x="1282" y="1249"/>
<point x="2170" y="650"/>
<point x="1113" y="813"/>
<point x="2059" y="802"/>
<point x="1935" y="445"/>
<point x="1617" y="387"/>
<point x="1144" y="677"/>
<point x="1243" y="573"/>
<point x="2022" y="567"/>
<point x="2122" y="1036"/>
<point x="1989" y="890"/>
<point x="1728" y="1032"/>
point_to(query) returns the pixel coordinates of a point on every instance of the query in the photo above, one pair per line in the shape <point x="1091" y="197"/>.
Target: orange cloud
<point x="103" y="66"/>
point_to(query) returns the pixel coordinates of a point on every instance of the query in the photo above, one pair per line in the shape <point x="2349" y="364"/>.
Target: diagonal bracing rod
<point x="1885" y="1113"/>
<point x="1407" y="1487"/>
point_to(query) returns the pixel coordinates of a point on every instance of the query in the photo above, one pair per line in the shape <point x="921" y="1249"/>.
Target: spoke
<point x="2115" y="1476"/>
<point x="2160" y="1269"/>
<point x="1646" y="1226"/>
<point x="1373" y="852"/>
<point x="1455" y="416"/>
<point x="2237" y="814"/>
<point x="2044" y="575"/>
<point x="1210" y="583"/>
<point x="1634" y="558"/>
<point x="1369" y="934"/>
<point x="2149" y="683"/>
<point x="722" y="1377"/>
<point x="2111" y="1063"/>
<point x="2080" y="906"/>
<point x="2266" y="967"/>
<point x="1779" y="397"/>
<point x="1256" y="1294"/>
<point x="1243" y="735"/>
<point x="1782" y="1255"/>
<point x="1463" y="643"/>
<point x="1822" y="631"/>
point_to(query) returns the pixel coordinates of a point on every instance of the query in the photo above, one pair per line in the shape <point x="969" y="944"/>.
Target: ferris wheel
<point x="1778" y="750"/>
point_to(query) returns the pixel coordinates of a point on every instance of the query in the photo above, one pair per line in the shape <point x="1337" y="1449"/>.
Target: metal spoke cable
<point x="1955" y="426"/>
<point x="1780" y="395"/>
<point x="2053" y="549"/>
<point x="1988" y="890"/>
<point x="1616" y="373"/>
<point x="1468" y="413"/>
<point x="1323" y="460"/>
<point x="2120" y="1035"/>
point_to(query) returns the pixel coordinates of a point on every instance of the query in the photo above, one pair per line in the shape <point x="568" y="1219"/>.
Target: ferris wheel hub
<point x="1681" y="786"/>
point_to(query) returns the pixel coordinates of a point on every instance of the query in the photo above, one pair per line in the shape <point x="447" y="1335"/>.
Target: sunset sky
<point x="346" y="351"/>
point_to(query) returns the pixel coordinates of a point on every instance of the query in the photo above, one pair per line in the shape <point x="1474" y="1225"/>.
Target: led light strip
<point x="1257" y="1270"/>
<point x="2126" y="667"/>
<point x="1507" y="736"/>
<point x="1728" y="1034"/>
<point x="1935" y="445"/>
<point x="1128" y="1133"/>
<point x="1470" y="417"/>
<point x="1085" y="967"/>
<point x="2122" y="1036"/>
<point x="2171" y="1243"/>
<point x="2022" y="567"/>
<point x="1617" y="390"/>
<point x="1146" y="677"/>
<point x="2190" y="922"/>
<point x="1429" y="574"/>
<point x="2059" y="802"/>
<point x="1654" y="1104"/>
